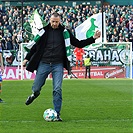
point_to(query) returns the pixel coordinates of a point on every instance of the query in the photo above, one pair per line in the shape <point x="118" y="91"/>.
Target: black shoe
<point x="29" y="100"/>
<point x="58" y="118"/>
<point x="1" y="101"/>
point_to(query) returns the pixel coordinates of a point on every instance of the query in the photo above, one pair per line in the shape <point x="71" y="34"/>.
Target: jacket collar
<point x="60" y="26"/>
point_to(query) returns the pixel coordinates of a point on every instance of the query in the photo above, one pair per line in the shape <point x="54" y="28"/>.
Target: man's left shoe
<point x="58" y="119"/>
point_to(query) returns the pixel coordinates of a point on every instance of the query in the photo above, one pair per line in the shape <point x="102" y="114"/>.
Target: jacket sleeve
<point x="82" y="43"/>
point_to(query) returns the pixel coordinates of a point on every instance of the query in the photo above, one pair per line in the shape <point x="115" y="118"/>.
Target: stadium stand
<point x="119" y="21"/>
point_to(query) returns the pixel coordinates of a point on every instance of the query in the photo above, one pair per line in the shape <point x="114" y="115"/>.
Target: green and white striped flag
<point x="29" y="45"/>
<point x="36" y="23"/>
<point x="88" y="28"/>
<point x="33" y="25"/>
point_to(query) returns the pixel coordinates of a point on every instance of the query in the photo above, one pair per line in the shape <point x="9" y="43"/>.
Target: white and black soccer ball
<point x="50" y="115"/>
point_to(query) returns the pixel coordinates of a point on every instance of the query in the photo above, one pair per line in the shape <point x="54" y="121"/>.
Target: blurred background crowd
<point x="119" y="21"/>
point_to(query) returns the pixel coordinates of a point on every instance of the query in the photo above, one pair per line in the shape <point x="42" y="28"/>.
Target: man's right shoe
<point x="31" y="98"/>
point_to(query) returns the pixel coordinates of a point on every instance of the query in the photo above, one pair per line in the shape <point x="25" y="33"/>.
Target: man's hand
<point x="2" y="69"/>
<point x="97" y="34"/>
<point x="24" y="62"/>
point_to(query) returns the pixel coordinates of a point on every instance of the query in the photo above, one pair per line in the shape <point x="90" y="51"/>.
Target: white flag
<point x="89" y="26"/>
<point x="36" y="23"/>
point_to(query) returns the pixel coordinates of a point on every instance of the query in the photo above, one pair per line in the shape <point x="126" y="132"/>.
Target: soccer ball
<point x="50" y="115"/>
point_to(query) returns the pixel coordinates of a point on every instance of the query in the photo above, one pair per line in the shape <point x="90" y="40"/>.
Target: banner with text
<point x="13" y="73"/>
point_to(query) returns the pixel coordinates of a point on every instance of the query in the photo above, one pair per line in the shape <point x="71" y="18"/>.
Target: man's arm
<point x="82" y="43"/>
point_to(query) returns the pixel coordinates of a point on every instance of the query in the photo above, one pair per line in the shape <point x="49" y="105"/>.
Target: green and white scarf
<point x="66" y="35"/>
<point x="67" y="44"/>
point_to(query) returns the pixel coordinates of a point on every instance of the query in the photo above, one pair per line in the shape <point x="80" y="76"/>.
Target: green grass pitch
<point x="89" y="106"/>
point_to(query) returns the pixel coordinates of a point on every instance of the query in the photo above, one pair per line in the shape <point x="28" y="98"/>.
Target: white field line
<point x="92" y="120"/>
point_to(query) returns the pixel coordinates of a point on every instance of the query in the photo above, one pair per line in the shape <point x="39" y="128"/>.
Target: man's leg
<point x="1" y="101"/>
<point x="41" y="75"/>
<point x="76" y="64"/>
<point x="57" y="74"/>
<point x="89" y="75"/>
<point x="81" y="62"/>
<point x="86" y="72"/>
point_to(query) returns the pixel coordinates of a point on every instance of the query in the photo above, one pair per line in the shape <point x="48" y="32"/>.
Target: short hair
<point x="55" y="14"/>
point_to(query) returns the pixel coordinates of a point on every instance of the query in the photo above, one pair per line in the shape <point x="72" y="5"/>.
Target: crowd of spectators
<point x="119" y="21"/>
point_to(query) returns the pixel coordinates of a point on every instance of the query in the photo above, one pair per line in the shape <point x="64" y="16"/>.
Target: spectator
<point x="87" y="63"/>
<point x="8" y="44"/>
<point x="79" y="52"/>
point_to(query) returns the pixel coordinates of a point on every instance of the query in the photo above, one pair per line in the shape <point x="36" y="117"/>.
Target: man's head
<point x="55" y="20"/>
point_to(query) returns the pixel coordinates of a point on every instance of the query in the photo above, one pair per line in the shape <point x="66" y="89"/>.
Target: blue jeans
<point x="57" y="71"/>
